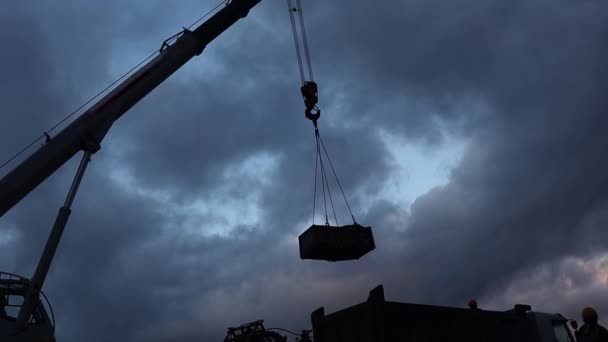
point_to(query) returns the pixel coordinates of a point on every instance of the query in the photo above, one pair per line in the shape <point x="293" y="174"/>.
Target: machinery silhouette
<point x="27" y="318"/>
<point x="26" y="315"/>
<point x="30" y="322"/>
<point x="379" y="320"/>
<point x="255" y="332"/>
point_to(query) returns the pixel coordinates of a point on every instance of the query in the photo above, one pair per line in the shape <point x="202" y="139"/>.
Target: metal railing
<point x="15" y="285"/>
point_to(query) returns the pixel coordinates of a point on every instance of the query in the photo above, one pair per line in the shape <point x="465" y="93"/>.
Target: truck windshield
<point x="561" y="331"/>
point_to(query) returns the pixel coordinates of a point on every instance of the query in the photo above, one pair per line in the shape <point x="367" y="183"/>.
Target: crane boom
<point x="88" y="130"/>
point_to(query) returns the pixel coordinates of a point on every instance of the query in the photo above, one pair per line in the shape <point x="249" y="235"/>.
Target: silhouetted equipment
<point x="304" y="336"/>
<point x="309" y="88"/>
<point x="31" y="323"/>
<point x="521" y="308"/>
<point x="377" y="320"/>
<point x="311" y="98"/>
<point x="324" y="242"/>
<point x="253" y="332"/>
<point x="330" y="243"/>
<point x="41" y="325"/>
<point x="333" y="242"/>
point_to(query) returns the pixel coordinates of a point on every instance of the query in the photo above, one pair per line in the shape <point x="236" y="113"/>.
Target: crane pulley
<point x="309" y="87"/>
<point x="324" y="242"/>
<point x="311" y="98"/>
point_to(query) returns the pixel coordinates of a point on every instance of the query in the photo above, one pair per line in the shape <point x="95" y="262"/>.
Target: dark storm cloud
<point x="443" y="59"/>
<point x="23" y="67"/>
<point x="534" y="171"/>
<point x="577" y="282"/>
<point x="522" y="80"/>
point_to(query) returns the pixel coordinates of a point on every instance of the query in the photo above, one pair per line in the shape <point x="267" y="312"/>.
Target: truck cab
<point x="553" y="327"/>
<point x="378" y="320"/>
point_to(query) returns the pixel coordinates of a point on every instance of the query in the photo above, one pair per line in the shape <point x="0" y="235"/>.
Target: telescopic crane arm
<point x="87" y="131"/>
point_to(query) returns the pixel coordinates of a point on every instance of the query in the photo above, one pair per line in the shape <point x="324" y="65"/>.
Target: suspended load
<point x="350" y="242"/>
<point x="325" y="242"/>
<point x="333" y="242"/>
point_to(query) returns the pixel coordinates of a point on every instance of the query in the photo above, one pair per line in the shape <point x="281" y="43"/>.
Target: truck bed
<point x="378" y="320"/>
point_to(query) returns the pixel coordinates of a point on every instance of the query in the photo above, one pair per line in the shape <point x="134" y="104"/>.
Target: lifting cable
<point x="337" y="180"/>
<point x="309" y="91"/>
<point x="295" y="6"/>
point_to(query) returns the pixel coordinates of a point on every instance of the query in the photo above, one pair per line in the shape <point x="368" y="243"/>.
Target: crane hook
<point x="311" y="98"/>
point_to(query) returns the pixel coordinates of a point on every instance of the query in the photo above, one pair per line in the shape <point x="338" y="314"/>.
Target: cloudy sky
<point x="468" y="134"/>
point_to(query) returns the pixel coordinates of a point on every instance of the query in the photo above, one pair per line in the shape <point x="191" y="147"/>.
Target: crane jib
<point x="88" y="130"/>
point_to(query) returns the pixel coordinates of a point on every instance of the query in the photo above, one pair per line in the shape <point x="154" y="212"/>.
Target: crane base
<point x="331" y="243"/>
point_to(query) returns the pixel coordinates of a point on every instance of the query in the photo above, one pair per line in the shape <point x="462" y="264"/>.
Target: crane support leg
<point x="35" y="285"/>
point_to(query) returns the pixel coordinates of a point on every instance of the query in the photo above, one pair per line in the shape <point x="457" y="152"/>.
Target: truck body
<point x="378" y="320"/>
